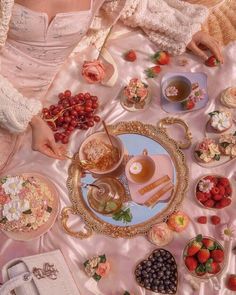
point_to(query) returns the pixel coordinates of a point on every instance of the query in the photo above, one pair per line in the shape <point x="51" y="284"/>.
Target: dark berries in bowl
<point x="158" y="273"/>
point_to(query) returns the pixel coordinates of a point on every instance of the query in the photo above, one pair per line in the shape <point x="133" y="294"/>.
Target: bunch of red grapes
<point x="71" y="112"/>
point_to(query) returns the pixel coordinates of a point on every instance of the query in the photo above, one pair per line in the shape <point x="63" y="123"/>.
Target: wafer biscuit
<point x="155" y="198"/>
<point x="153" y="185"/>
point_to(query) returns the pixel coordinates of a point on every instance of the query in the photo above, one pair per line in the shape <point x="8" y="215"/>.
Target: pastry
<point x="25" y="203"/>
<point x="135" y="93"/>
<point x="228" y="97"/>
<point x="207" y="151"/>
<point x="227" y="144"/>
<point x="220" y="121"/>
<point x="160" y="234"/>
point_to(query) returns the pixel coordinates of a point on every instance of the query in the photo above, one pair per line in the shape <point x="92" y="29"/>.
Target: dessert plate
<point x="28" y="236"/>
<point x="200" y="78"/>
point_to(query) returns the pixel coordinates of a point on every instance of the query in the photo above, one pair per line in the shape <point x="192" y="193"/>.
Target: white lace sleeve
<point x="168" y="23"/>
<point x="16" y="111"/>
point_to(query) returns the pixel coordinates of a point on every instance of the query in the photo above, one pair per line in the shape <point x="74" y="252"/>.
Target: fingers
<point x="196" y="50"/>
<point x="46" y="150"/>
<point x="214" y="48"/>
<point x="58" y="151"/>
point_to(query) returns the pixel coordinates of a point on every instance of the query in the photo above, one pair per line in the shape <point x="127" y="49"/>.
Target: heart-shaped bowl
<point x="202" y="271"/>
<point x="158" y="273"/>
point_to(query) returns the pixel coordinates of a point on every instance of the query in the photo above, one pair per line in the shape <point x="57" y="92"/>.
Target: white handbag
<point x="42" y="274"/>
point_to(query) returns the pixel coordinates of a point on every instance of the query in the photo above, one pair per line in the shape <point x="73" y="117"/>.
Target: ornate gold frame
<point x="92" y="222"/>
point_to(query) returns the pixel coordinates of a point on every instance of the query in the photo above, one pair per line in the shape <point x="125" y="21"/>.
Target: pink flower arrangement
<point x="204" y="145"/>
<point x="93" y="71"/>
<point x="97" y="267"/>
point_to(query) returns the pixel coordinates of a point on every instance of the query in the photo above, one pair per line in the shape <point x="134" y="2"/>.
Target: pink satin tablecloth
<point x="124" y="254"/>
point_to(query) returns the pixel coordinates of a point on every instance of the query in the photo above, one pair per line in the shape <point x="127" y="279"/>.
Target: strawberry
<point x="217" y="197"/>
<point x="228" y="191"/>
<point x="209" y="244"/>
<point x="215" y="190"/>
<point x="130" y="55"/>
<point x="217" y="255"/>
<point x="153" y="71"/>
<point x="212" y="62"/>
<point x="203" y="255"/>
<point x="209" y="203"/>
<point x="200" y="270"/>
<point x="215" y="219"/>
<point x="231" y="283"/>
<point x="224" y="202"/>
<point x="212" y="267"/>
<point x="202" y="219"/>
<point x="188" y="104"/>
<point x="224" y="181"/>
<point x="191" y="263"/>
<point x="161" y="58"/>
<point x="194" y="247"/>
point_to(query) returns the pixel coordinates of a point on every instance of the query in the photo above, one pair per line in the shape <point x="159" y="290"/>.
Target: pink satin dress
<point x="34" y="52"/>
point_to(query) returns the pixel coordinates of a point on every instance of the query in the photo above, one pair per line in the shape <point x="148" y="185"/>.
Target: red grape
<point x="67" y="93"/>
<point x="90" y="123"/>
<point x="71" y="112"/>
<point x="95" y="105"/>
<point x="88" y="109"/>
<point x="87" y="95"/>
<point x="96" y="119"/>
<point x="61" y="96"/>
<point x="80" y="95"/>
<point x="67" y="119"/>
<point x="65" y="140"/>
<point x="94" y="98"/>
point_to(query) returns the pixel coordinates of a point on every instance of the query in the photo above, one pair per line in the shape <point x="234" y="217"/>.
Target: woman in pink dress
<point x="36" y="37"/>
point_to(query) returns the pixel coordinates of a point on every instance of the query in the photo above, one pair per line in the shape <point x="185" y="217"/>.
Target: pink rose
<point x="93" y="71"/>
<point x="103" y="269"/>
<point x="4" y="199"/>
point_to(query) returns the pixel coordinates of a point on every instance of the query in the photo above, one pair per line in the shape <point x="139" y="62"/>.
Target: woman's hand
<point x="43" y="140"/>
<point x="202" y="38"/>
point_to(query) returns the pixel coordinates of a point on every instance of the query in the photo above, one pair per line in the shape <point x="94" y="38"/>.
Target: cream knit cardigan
<point x="170" y="24"/>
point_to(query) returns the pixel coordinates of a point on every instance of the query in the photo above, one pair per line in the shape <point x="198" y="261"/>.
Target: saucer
<point x="200" y="78"/>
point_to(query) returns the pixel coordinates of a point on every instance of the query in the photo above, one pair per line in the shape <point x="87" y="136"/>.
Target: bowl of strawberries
<point x="204" y="257"/>
<point x="214" y="192"/>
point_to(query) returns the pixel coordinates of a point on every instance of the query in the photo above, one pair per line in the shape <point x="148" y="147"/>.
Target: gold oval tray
<point x="95" y="224"/>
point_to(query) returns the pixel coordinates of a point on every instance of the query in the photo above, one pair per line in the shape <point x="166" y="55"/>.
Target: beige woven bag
<point x="43" y="274"/>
